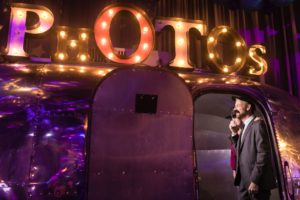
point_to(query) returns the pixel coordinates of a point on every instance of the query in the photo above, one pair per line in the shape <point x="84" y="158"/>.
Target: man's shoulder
<point x="258" y="123"/>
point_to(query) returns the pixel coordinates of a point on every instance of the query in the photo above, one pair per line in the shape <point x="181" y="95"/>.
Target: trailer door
<point x="140" y="138"/>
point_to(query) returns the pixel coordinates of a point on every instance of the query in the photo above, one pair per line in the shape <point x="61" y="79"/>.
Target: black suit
<point x="254" y="160"/>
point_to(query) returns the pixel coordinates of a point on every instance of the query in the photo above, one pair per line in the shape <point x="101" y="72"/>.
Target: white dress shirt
<point x="246" y="123"/>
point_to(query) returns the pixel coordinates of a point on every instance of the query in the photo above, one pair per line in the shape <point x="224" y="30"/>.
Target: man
<point x="235" y="127"/>
<point x="254" y="173"/>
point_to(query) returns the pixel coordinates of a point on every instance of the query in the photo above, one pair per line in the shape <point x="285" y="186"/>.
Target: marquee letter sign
<point x="181" y="29"/>
<point x="261" y="65"/>
<point x="103" y="40"/>
<point x="64" y="43"/>
<point x="17" y="28"/>
<point x="70" y="48"/>
<point x="240" y="46"/>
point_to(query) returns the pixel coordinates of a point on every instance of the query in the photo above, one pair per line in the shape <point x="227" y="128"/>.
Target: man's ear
<point x="248" y="107"/>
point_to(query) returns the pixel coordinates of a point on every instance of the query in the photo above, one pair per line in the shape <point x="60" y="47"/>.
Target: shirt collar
<point x="247" y="121"/>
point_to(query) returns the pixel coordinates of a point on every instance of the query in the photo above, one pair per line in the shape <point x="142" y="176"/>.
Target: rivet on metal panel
<point x="155" y="171"/>
<point x="123" y="172"/>
<point x="98" y="173"/>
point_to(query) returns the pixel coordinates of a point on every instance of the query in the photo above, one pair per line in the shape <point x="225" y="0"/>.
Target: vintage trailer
<point x="132" y="132"/>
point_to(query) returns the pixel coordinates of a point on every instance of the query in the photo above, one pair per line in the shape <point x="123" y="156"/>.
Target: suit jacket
<point x="254" y="157"/>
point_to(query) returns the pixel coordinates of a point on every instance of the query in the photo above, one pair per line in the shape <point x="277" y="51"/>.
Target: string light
<point x="211" y="55"/>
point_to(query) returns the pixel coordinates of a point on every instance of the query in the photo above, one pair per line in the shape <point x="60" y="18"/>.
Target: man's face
<point x="241" y="107"/>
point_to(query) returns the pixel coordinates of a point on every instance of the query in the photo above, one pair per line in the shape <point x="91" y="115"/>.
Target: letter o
<point x="103" y="39"/>
<point x="240" y="45"/>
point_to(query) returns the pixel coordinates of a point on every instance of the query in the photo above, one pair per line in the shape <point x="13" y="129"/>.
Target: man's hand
<point x="253" y="188"/>
<point x="233" y="128"/>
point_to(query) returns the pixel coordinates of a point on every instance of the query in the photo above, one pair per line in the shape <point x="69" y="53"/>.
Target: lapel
<point x="248" y="129"/>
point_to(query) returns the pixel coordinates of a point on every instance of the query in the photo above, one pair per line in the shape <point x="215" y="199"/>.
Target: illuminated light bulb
<point x="41" y="29"/>
<point x="181" y="62"/>
<point x="251" y="54"/>
<point x="251" y="71"/>
<point x="20" y="13"/>
<point x="187" y="81"/>
<point x="101" y="73"/>
<point x="145" y="46"/>
<point x="82" y="69"/>
<point x="83" y="36"/>
<point x="211" y="55"/>
<point x="110" y="12"/>
<point x="44" y="15"/>
<point x="225" y="69"/>
<point x="181" y="75"/>
<point x="211" y="39"/>
<point x="103" y="41"/>
<point x="224" y="30"/>
<point x="180" y="41"/>
<point x="83" y="57"/>
<point x="200" y="81"/>
<point x="238" y="44"/>
<point x="200" y="26"/>
<point x="45" y="70"/>
<point x="73" y="44"/>
<point x="282" y="145"/>
<point x="145" y="29"/>
<point x="25" y="70"/>
<point x="61" y="68"/>
<point x="261" y="64"/>
<point x="15" y="50"/>
<point x="104" y="24"/>
<point x="61" y="56"/>
<point x="138" y="15"/>
<point x="110" y="55"/>
<point x="137" y="58"/>
<point x="179" y="25"/>
<point x="62" y="34"/>
<point x="238" y="60"/>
